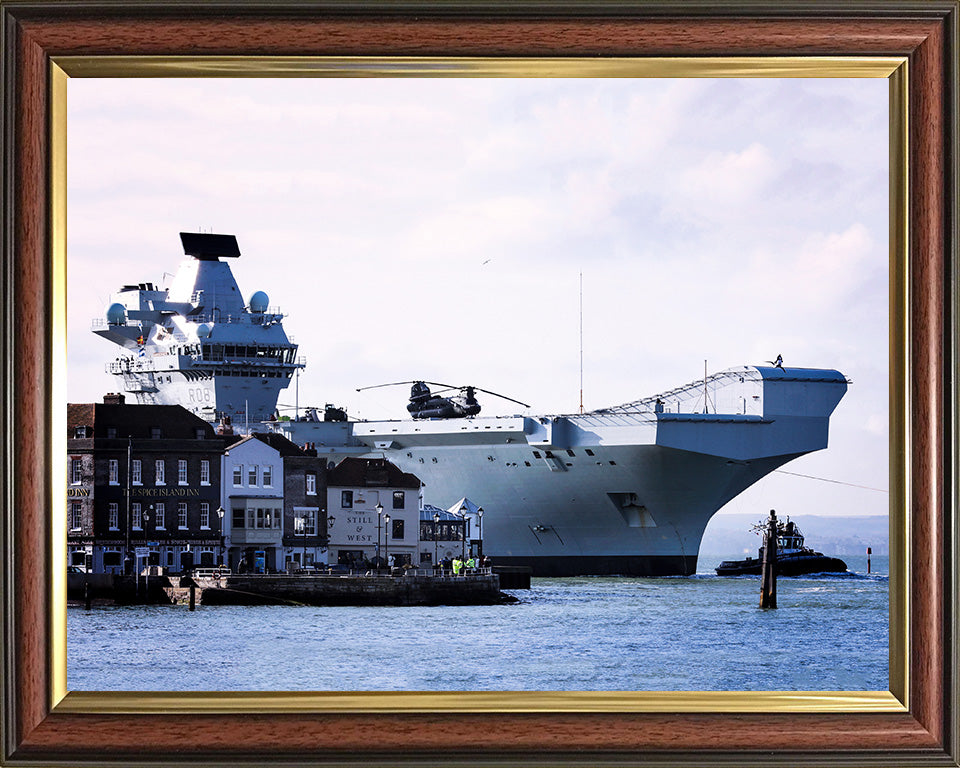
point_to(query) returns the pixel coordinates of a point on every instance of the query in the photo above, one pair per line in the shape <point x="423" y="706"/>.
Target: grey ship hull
<point x="627" y="490"/>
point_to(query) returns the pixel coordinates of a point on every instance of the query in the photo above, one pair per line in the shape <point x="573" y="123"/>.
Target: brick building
<point x="304" y="509"/>
<point x="141" y="476"/>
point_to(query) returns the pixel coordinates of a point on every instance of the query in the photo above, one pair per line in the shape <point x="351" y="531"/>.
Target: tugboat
<point x="793" y="558"/>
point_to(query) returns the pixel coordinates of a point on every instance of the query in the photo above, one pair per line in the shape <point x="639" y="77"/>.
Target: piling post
<point x="869" y="552"/>
<point x="193" y="597"/>
<point x="768" y="578"/>
<point x="86" y="595"/>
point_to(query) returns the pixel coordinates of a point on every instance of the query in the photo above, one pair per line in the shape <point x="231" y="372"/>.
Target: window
<point x="346" y="499"/>
<point x="161" y="519"/>
<point x="398" y="499"/>
<point x="239" y="518"/>
<point x="200" y="433"/>
<point x="161" y="472"/>
<point x="76" y="516"/>
<point x="112" y="433"/>
<point x="79" y="432"/>
<point x="267" y="476"/>
<point x="114" y="516"/>
<point x="111" y="558"/>
<point x="205" y="514"/>
<point x="204" y="471"/>
<point x="252" y="476"/>
<point x="397" y="532"/>
<point x="76" y="472"/>
<point x="263" y="517"/>
<point x="182" y="514"/>
<point x="137" y="472"/>
<point x="305" y="522"/>
<point x="181" y="471"/>
<point x="155" y="433"/>
<point x="311" y="484"/>
<point x="114" y="472"/>
<point x="137" y="516"/>
<point x="238" y="475"/>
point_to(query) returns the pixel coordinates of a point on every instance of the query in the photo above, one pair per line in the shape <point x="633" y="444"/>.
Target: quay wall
<point x="481" y="589"/>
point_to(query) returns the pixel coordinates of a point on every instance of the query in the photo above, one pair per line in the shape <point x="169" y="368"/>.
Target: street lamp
<point x="379" y="509"/>
<point x="480" y="534"/>
<point x="146" y="583"/>
<point x="302" y="519"/>
<point x="220" y="513"/>
<point x="463" y="532"/>
<point x="436" y="531"/>
<point x="386" y="539"/>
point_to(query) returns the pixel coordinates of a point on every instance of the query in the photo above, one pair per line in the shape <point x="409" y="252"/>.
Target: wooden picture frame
<point x="916" y="724"/>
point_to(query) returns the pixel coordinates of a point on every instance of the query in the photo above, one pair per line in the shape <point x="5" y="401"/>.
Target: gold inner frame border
<point x="894" y="700"/>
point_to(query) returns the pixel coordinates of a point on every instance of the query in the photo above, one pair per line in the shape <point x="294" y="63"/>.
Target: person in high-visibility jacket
<point x="457" y="565"/>
<point x="471" y="563"/>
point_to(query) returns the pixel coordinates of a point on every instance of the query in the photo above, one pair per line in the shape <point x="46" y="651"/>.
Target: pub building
<point x="142" y="477"/>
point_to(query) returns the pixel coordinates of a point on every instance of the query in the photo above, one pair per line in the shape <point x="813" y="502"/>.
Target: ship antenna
<point x="581" y="341"/>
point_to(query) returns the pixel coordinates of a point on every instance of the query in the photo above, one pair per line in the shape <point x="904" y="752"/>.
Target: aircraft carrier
<point x="621" y="490"/>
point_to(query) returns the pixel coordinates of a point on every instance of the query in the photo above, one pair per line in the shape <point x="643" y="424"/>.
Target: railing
<point x="397" y="571"/>
<point x="210" y="573"/>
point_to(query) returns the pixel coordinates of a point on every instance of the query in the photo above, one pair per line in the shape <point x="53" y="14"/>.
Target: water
<point x="699" y="633"/>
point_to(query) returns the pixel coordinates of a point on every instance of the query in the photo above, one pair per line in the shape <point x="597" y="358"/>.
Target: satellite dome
<point x="259" y="302"/>
<point x="116" y="314"/>
<point x="204" y="330"/>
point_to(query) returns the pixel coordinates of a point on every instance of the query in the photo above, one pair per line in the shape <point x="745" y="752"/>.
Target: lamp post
<point x="220" y="513"/>
<point x="463" y="532"/>
<point x="386" y="539"/>
<point x="303" y="529"/>
<point x="146" y="582"/>
<point x="436" y="531"/>
<point x="480" y="534"/>
<point x="330" y="521"/>
<point x="379" y="509"/>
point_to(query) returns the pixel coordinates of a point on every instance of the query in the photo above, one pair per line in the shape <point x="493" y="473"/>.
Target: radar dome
<point x="204" y="330"/>
<point x="116" y="314"/>
<point x="259" y="302"/>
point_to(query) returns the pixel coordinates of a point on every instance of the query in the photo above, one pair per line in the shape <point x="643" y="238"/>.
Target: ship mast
<point x="581" y="341"/>
<point x="706" y="403"/>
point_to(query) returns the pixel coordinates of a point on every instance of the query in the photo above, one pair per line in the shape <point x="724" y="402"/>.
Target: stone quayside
<point x="299" y="589"/>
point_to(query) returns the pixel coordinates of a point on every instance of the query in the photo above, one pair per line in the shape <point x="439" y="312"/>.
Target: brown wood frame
<point x="925" y="32"/>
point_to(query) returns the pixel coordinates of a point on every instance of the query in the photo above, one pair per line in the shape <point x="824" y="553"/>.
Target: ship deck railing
<point x="370" y="573"/>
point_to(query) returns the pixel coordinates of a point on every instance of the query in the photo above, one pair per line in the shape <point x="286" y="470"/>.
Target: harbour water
<point x="700" y="633"/>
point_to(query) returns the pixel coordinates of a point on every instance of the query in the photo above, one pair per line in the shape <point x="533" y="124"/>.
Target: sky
<point x="441" y="229"/>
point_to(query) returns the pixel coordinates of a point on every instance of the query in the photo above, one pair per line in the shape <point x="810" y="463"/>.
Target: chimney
<point x="113" y="398"/>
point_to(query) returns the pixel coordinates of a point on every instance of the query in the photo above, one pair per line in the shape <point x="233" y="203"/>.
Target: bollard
<point x="869" y="552"/>
<point x="193" y="598"/>
<point x="768" y="577"/>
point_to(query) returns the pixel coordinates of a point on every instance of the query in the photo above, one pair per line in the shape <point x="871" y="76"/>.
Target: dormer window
<point x="80" y="432"/>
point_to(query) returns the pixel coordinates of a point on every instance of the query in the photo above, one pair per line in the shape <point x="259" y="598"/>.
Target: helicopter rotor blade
<point x="503" y="397"/>
<point x="414" y="381"/>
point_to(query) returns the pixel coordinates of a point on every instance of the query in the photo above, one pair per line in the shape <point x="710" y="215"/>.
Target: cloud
<point x="728" y="220"/>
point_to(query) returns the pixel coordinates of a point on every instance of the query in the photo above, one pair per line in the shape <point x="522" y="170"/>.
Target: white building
<point x="373" y="513"/>
<point x="252" y="493"/>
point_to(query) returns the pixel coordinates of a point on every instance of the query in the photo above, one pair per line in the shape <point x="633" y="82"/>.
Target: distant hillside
<point x="729" y="535"/>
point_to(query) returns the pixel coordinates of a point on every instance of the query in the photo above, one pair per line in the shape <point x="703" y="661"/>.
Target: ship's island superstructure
<point x="197" y="343"/>
<point x="621" y="490"/>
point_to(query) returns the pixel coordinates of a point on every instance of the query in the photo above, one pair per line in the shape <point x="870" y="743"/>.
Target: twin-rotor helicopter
<point x="425" y="404"/>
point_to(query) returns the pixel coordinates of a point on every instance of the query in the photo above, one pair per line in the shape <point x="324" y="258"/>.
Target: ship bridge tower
<point x="198" y="343"/>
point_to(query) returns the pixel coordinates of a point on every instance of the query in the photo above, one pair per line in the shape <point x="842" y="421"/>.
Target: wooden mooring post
<point x="768" y="577"/>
